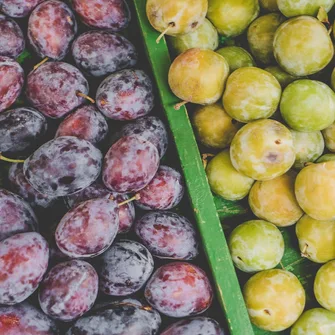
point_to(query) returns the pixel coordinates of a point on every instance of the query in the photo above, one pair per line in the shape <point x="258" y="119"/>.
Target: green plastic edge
<point x="215" y="245"/>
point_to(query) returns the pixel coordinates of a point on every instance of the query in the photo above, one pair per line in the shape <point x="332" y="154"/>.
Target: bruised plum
<point x="168" y="235"/>
<point x="99" y="53"/>
<point x="179" y="290"/>
<point x="54" y="87"/>
<point x="113" y="15"/>
<point x="86" y="123"/>
<point x="125" y="268"/>
<point x="51" y="28"/>
<point x="16" y="215"/>
<point x="11" y="81"/>
<point x="69" y="290"/>
<point x="21" y="129"/>
<point x="63" y="166"/>
<point x="125" y="95"/>
<point x="24" y="260"/>
<point x="18" y="8"/>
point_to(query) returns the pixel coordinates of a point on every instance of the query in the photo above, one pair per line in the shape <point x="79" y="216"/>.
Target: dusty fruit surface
<point x="18" y="8"/>
<point x="256" y="245"/>
<point x="316" y="239"/>
<point x="247" y="89"/>
<point x="168" y="235"/>
<point x="329" y="136"/>
<point x="179" y="290"/>
<point x="263" y="150"/>
<point x="68" y="290"/>
<point x="302" y="46"/>
<point x="283" y="77"/>
<point x="315" y="192"/>
<point x="275" y="299"/>
<point x="181" y="16"/>
<point x="292" y="8"/>
<point x="198" y="76"/>
<point x="265" y="196"/>
<point x="213" y="126"/>
<point x="24" y="260"/>
<point x="308" y="105"/>
<point x="245" y="11"/>
<point x="225" y="180"/>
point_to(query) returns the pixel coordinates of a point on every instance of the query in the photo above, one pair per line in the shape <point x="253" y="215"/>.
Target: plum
<point x="312" y="47"/>
<point x="18" y="8"/>
<point x="99" y="53"/>
<point x="125" y="268"/>
<point x="263" y="150"/>
<point x="308" y="105"/>
<point x="69" y="290"/>
<point x="213" y="126"/>
<point x="63" y="166"/>
<point x="332" y="79"/>
<point x="198" y="76"/>
<point x="179" y="289"/>
<point x="283" y="77"/>
<point x="275" y="299"/>
<point x="269" y="5"/>
<point x="265" y="196"/>
<point x="12" y="41"/>
<point x="305" y="7"/>
<point x="164" y="191"/>
<point x="54" y="87"/>
<point x="225" y="180"/>
<point x="125" y="95"/>
<point x="326" y="158"/>
<point x="86" y="123"/>
<point x="11" y="81"/>
<point x="25" y="319"/>
<point x="88" y="229"/>
<point x="232" y="17"/>
<point x="21" y="129"/>
<point x="329" y="137"/>
<point x="24" y="260"/>
<point x="247" y="89"/>
<point x="17" y="216"/>
<point x="130" y="164"/>
<point x="168" y="235"/>
<point x="113" y="15"/>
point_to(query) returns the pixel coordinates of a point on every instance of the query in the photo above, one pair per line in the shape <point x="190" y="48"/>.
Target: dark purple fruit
<point x="11" y="37"/>
<point x="86" y="123"/>
<point x="113" y="15"/>
<point x="125" y="268"/>
<point x="11" y="82"/>
<point x="51" y="28"/>
<point x="63" y="166"/>
<point x="18" y="8"/>
<point x="100" y="53"/>
<point x="53" y="88"/>
<point x="125" y="95"/>
<point x="21" y="129"/>
<point x="16" y="215"/>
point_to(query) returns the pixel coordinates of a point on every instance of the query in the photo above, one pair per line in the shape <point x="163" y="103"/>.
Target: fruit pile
<point x="75" y="255"/>
<point x="261" y="75"/>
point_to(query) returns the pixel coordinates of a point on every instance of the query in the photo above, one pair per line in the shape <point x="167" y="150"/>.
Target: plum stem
<point x="44" y="60"/>
<point x="179" y="105"/>
<point x="282" y="266"/>
<point x="171" y="25"/>
<point x="204" y="158"/>
<point x="68" y="18"/>
<point x="10" y="160"/>
<point x="80" y="94"/>
<point x="135" y="197"/>
<point x="304" y="251"/>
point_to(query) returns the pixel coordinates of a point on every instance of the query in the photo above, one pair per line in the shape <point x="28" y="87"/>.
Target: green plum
<point x="316" y="239"/>
<point x="283" y="77"/>
<point x="326" y="158"/>
<point x="329" y="135"/>
<point x="260" y="36"/>
<point x="224" y="180"/>
<point x="232" y="17"/>
<point x="332" y="79"/>
<point x="302" y="46"/>
<point x="236" y="57"/>
<point x="256" y="245"/>
<point x="292" y="8"/>
<point x="213" y="126"/>
<point x="251" y="94"/>
<point x="269" y="5"/>
<point x="206" y="37"/>
<point x="324" y="286"/>
<point x="316" y="321"/>
<point x="263" y="150"/>
<point x="308" y="147"/>
<point x="308" y="105"/>
<point x="265" y="196"/>
<point x="315" y="190"/>
<point x="275" y="299"/>
<point x="198" y="76"/>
